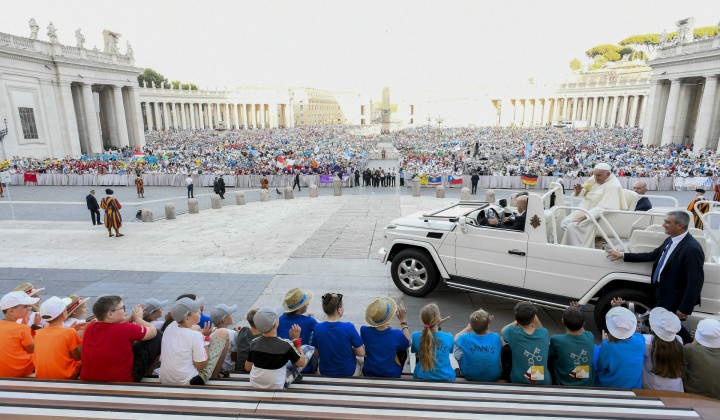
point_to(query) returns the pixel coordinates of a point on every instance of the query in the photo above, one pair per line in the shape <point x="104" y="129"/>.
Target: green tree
<point x="602" y="50"/>
<point x="625" y="50"/>
<point x="575" y="64"/>
<point x="598" y="63"/>
<point x="705" y="30"/>
<point x="612" y="56"/>
<point x="150" y="75"/>
<point x="189" y="86"/>
<point x="639" y="55"/>
<point x="647" y="41"/>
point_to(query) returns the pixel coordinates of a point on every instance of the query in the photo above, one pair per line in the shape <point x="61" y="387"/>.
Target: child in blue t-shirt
<point x="336" y="343"/>
<point x="295" y="305"/>
<point x="433" y="347"/>
<point x="619" y="359"/>
<point x="571" y="353"/>
<point x="478" y="352"/>
<point x="385" y="347"/>
<point x="529" y="343"/>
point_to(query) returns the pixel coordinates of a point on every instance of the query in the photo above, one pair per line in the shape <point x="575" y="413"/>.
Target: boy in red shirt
<point x="107" y="354"/>
<point x="16" y="342"/>
<point x="57" y="349"/>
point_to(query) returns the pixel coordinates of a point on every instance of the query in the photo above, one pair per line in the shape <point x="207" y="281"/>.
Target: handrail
<point x="667" y="197"/>
<point x="588" y="217"/>
<point x="714" y="236"/>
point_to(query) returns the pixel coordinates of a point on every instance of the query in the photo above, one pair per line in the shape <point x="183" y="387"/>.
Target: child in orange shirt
<point x="57" y="349"/>
<point x="16" y="342"/>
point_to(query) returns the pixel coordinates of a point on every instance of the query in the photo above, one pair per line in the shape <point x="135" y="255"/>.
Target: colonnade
<point x="164" y="115"/>
<point x="627" y="110"/>
<point x="684" y="110"/>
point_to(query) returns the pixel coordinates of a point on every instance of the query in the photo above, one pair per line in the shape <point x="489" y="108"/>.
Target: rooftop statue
<point x="111" y="41"/>
<point x="129" y="53"/>
<point x="34" y="28"/>
<point x="663" y="37"/>
<point x="80" y="39"/>
<point x="52" y="33"/>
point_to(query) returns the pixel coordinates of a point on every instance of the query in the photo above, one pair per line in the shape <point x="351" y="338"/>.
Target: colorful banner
<point x="691" y="183"/>
<point x="454" y="179"/>
<point x="434" y="180"/>
<point x="328" y="179"/>
<point x="528" y="179"/>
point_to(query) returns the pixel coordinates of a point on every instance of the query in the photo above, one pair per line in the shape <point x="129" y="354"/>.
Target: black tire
<point x="414" y="272"/>
<point x="638" y="301"/>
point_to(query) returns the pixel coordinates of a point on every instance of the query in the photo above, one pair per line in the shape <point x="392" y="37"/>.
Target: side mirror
<point x="462" y="222"/>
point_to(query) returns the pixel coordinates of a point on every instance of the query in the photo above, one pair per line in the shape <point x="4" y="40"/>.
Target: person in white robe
<point x="601" y="192"/>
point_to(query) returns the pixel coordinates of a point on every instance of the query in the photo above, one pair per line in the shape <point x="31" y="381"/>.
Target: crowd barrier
<point x="278" y="181"/>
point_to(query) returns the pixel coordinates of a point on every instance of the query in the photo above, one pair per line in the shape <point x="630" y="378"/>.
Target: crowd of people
<point x="328" y="150"/>
<point x="56" y="339"/>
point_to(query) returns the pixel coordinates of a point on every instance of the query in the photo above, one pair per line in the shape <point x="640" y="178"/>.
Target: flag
<point x="528" y="179"/>
<point x="363" y="154"/>
<point x="423" y="179"/>
<point x="347" y="153"/>
<point x="434" y="180"/>
<point x="454" y="179"/>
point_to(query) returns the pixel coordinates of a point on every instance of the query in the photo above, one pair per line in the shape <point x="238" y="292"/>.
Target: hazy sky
<point x="355" y="45"/>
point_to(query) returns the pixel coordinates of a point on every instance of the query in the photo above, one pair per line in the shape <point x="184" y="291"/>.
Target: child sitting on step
<point x="664" y="360"/>
<point x="433" y="347"/>
<point x="385" y="347"/>
<point x="16" y="341"/>
<point x="619" y="359"/>
<point x="702" y="358"/>
<point x="57" y="349"/>
<point x="478" y="350"/>
<point x="529" y="343"/>
<point x="245" y="336"/>
<point x="571" y="353"/>
<point x="337" y="344"/>
<point x="221" y="317"/>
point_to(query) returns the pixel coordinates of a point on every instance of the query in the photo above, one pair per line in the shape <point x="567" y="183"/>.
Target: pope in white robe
<point x="601" y="192"/>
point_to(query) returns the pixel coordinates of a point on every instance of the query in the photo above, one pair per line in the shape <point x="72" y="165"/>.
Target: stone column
<point x="191" y="106"/>
<point x="158" y="120"/>
<point x="183" y="120"/>
<point x="705" y="117"/>
<point x="69" y="122"/>
<point x="229" y="116"/>
<point x="263" y="123"/>
<point x="585" y="110"/>
<point x="594" y="112"/>
<point x="603" y="116"/>
<point x="546" y="111"/>
<point x="623" y="111"/>
<point x="565" y="108"/>
<point x="668" y="132"/>
<point x="632" y="121"/>
<point x="556" y="109"/>
<point x="652" y="131"/>
<point x="93" y="130"/>
<point x="613" y="111"/>
<point x="218" y="114"/>
<point x="641" y="115"/>
<point x="520" y="118"/>
<point x="122" y="139"/>
<point x="166" y="115"/>
<point x="148" y="117"/>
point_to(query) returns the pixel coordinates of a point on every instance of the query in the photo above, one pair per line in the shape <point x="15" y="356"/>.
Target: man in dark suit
<point x="474" y="180"/>
<point x="516" y="223"/>
<point x="643" y="203"/>
<point x="221" y="187"/>
<point x="297" y="181"/>
<point x="94" y="207"/>
<point x="678" y="268"/>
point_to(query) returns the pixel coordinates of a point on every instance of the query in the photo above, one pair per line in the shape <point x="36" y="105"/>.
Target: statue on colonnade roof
<point x="34" y="28"/>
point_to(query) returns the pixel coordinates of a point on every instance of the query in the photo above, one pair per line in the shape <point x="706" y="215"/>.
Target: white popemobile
<point x="451" y="244"/>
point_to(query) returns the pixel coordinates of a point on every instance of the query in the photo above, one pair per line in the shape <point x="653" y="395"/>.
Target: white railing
<point x="689" y="48"/>
<point x="60" y="50"/>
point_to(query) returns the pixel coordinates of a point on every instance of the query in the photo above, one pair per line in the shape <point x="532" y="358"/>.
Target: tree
<point x="602" y="50"/>
<point x="639" y="55"/>
<point x="612" y="56"/>
<point x="189" y="86"/>
<point x="647" y="41"/>
<point x="575" y="64"/>
<point x="625" y="51"/>
<point x="150" y="75"/>
<point x="598" y="63"/>
<point x="705" y="30"/>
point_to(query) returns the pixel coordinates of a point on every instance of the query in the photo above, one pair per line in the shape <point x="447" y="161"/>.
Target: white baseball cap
<point x="16" y="298"/>
<point x="708" y="333"/>
<point x="621" y="322"/>
<point x="664" y="324"/>
<point x="53" y="307"/>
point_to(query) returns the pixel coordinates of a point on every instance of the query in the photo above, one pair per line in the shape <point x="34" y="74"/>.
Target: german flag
<point x="528" y="179"/>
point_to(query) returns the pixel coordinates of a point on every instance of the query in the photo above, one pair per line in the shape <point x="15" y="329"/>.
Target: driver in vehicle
<point x="516" y="222"/>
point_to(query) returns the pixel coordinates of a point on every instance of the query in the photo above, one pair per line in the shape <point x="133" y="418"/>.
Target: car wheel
<point x="414" y="272"/>
<point x="638" y="302"/>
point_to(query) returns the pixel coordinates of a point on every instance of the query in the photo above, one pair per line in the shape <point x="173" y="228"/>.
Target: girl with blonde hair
<point x="433" y="347"/>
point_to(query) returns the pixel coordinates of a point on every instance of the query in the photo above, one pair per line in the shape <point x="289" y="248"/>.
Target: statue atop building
<point x="129" y="53"/>
<point x="111" y="41"/>
<point x="663" y="37"/>
<point x="34" y="28"/>
<point x="686" y="30"/>
<point x="52" y="33"/>
<point x="80" y="39"/>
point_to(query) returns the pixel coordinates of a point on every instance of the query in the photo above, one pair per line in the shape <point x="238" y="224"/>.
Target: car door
<point x="491" y="254"/>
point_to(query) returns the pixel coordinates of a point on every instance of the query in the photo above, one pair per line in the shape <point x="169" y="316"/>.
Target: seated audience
<point x="385" y="347"/>
<point x="433" y="347"/>
<point x="571" y="353"/>
<point x="664" y="364"/>
<point x="295" y="305"/>
<point x="529" y="343"/>
<point x="76" y="311"/>
<point x="619" y="359"/>
<point x="702" y="360"/>
<point x="245" y="336"/>
<point x="221" y="317"/>
<point x="108" y="354"/>
<point x="477" y="350"/>
<point x="34" y="320"/>
<point x="16" y="341"/>
<point x="153" y="312"/>
<point x="184" y="360"/>
<point x="269" y="355"/>
<point x="337" y="344"/>
<point x="57" y="348"/>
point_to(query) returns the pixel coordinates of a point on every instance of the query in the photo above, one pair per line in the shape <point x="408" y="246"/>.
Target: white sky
<point x="355" y="45"/>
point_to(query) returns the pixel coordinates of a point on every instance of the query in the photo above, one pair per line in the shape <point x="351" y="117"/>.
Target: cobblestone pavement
<point x="247" y="255"/>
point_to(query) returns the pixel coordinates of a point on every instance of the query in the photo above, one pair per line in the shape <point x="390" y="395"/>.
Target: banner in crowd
<point x="454" y="179"/>
<point x="430" y="180"/>
<point x="528" y="179"/>
<point x="693" y="182"/>
<point x="328" y="179"/>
